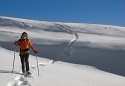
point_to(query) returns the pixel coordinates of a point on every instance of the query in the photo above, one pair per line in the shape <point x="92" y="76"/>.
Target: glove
<point x="15" y="43"/>
<point x="35" y="52"/>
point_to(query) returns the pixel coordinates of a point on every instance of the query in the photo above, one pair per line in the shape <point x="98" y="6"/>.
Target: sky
<point x="111" y="12"/>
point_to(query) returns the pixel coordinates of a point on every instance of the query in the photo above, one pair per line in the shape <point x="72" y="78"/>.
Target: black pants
<point x="24" y="58"/>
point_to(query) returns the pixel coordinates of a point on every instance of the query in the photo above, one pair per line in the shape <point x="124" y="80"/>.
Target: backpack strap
<point x="28" y="42"/>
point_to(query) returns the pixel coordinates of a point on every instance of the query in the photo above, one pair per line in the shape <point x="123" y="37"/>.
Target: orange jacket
<point x="24" y="45"/>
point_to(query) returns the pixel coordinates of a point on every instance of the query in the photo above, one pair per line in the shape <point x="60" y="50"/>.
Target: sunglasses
<point x="24" y="35"/>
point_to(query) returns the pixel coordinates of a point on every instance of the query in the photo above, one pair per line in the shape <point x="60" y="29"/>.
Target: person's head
<point x="24" y="35"/>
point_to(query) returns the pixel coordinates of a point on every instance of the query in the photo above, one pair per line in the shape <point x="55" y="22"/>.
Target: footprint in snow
<point x="19" y="81"/>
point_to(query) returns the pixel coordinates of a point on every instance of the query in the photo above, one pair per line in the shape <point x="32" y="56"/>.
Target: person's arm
<point x="31" y="45"/>
<point x="16" y="43"/>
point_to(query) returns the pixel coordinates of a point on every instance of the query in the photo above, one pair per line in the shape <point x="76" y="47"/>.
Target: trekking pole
<point x="37" y="65"/>
<point x="14" y="58"/>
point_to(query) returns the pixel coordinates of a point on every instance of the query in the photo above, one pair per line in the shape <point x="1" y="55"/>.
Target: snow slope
<point x="84" y="54"/>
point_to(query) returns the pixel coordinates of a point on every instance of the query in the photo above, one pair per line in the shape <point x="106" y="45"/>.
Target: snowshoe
<point x="28" y="74"/>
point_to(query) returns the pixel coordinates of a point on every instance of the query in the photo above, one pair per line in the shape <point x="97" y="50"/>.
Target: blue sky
<point x="110" y="12"/>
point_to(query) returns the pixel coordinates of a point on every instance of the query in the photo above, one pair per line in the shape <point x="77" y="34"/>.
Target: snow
<point x="84" y="54"/>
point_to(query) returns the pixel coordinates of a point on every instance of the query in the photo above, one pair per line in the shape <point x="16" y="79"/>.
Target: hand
<point x="15" y="43"/>
<point x="35" y="52"/>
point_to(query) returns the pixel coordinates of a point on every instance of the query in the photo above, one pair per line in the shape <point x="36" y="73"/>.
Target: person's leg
<point x="27" y="62"/>
<point x="22" y="62"/>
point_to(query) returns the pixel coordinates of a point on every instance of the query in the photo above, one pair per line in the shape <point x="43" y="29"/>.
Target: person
<point x="24" y="43"/>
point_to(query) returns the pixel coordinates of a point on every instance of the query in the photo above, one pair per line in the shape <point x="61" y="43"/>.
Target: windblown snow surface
<point x="83" y="54"/>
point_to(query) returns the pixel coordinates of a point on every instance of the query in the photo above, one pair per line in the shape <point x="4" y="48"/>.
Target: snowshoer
<point x="25" y="44"/>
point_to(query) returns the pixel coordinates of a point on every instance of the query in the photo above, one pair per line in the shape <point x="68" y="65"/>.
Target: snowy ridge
<point x="95" y="36"/>
<point x="83" y="54"/>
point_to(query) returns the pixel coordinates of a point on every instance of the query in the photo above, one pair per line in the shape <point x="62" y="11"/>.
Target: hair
<point x="23" y="34"/>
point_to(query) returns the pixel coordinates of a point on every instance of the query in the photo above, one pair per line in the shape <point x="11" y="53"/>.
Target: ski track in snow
<point x="68" y="51"/>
